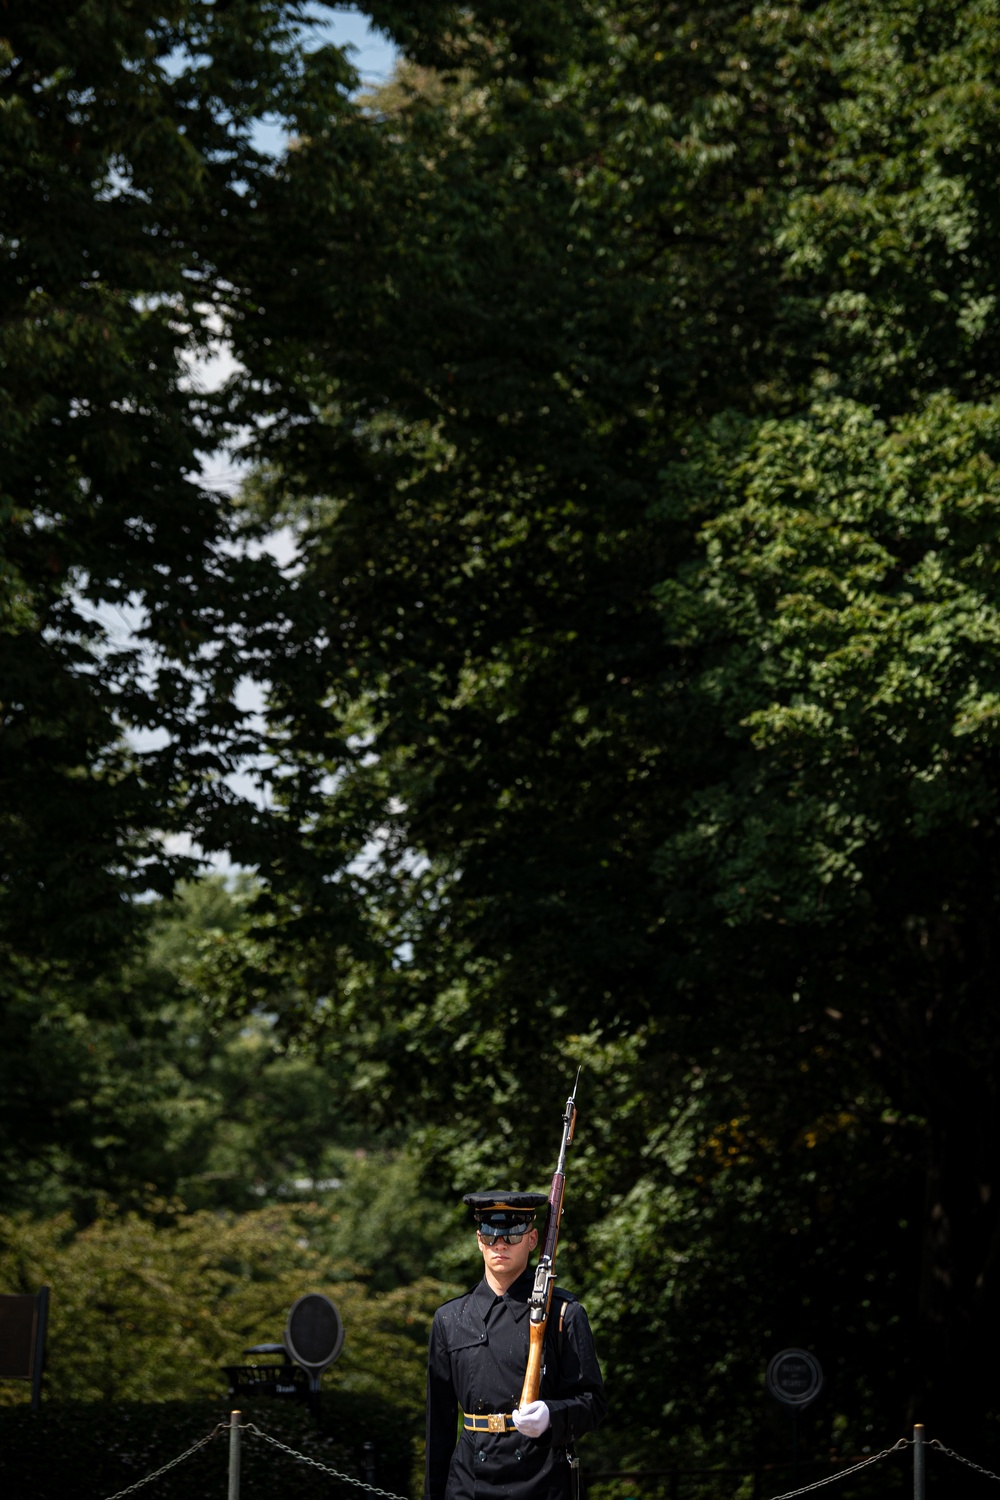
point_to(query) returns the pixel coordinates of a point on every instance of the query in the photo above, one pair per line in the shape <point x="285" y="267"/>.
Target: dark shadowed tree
<point x="645" y="698"/>
<point x="132" y="599"/>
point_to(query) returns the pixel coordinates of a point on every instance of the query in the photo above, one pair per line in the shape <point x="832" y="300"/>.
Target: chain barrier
<point x="818" y="1484"/>
<point x="130" y="1489"/>
<point x="315" y="1464"/>
<point x="934" y="1443"/>
<point x="373" y="1489"/>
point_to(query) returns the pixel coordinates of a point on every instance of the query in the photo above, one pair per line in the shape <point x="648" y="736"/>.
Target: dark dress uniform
<point x="478" y="1354"/>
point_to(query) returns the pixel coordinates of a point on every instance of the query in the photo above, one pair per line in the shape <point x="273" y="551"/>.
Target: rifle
<point x="540" y="1301"/>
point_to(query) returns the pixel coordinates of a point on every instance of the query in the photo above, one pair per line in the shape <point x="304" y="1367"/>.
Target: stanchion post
<point x="795" y="1448"/>
<point x="919" y="1461"/>
<point x="234" y="1455"/>
<point x="42" y="1318"/>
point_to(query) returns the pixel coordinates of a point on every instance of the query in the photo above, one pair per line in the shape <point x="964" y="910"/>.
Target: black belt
<point x="497" y="1421"/>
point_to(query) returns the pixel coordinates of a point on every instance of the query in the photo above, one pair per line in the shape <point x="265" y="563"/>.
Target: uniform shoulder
<point x="454" y="1304"/>
<point x="567" y="1309"/>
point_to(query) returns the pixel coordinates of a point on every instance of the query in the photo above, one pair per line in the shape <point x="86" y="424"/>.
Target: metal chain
<point x="934" y="1443"/>
<point x="119" y="1494"/>
<point x="315" y="1463"/>
<point x="843" y="1473"/>
<point x="388" y="1494"/>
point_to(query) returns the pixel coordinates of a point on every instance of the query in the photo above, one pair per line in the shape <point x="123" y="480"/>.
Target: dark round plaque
<point x="794" y="1378"/>
<point x="314" y="1334"/>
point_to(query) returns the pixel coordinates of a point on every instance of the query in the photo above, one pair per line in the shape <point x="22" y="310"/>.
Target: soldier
<point x="478" y="1353"/>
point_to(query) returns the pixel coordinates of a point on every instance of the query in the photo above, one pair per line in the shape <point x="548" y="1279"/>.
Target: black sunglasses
<point x="512" y="1233"/>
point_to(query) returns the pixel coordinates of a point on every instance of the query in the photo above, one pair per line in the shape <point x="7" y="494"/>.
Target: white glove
<point x="533" y="1419"/>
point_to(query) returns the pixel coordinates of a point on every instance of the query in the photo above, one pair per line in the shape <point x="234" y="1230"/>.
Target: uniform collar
<point x="516" y="1296"/>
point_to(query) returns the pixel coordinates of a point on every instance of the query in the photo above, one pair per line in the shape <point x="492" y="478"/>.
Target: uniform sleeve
<point x="442" y="1414"/>
<point x="577" y="1403"/>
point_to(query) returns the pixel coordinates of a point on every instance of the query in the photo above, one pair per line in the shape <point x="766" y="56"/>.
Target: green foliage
<point x="848" y="605"/>
<point x="627" y="378"/>
<point x="143" y="1087"/>
<point x="642" y="694"/>
<point x="147" y="1311"/>
<point x="129" y="601"/>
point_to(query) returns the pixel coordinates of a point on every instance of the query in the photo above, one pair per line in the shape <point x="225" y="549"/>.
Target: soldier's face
<point x="506" y="1262"/>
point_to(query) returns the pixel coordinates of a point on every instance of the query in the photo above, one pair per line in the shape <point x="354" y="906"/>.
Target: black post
<point x="576" y="1489"/>
<point x="919" y="1463"/>
<point x="234" y="1455"/>
<point x="795" y="1449"/>
<point x="369" y="1451"/>
<point x="41" y="1324"/>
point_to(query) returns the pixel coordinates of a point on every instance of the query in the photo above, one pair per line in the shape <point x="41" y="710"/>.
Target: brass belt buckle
<point x="496" y="1422"/>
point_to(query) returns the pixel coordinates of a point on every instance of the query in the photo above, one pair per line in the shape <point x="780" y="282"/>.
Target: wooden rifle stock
<point x="540" y="1301"/>
<point x="533" y="1374"/>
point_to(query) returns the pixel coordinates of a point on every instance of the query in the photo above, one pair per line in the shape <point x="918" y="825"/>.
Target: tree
<point x="142" y="1088"/>
<point x="142" y="1311"/>
<point x="847" y="609"/>
<point x="653" y="321"/>
<point x="134" y="599"/>
<point x="130" y="180"/>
